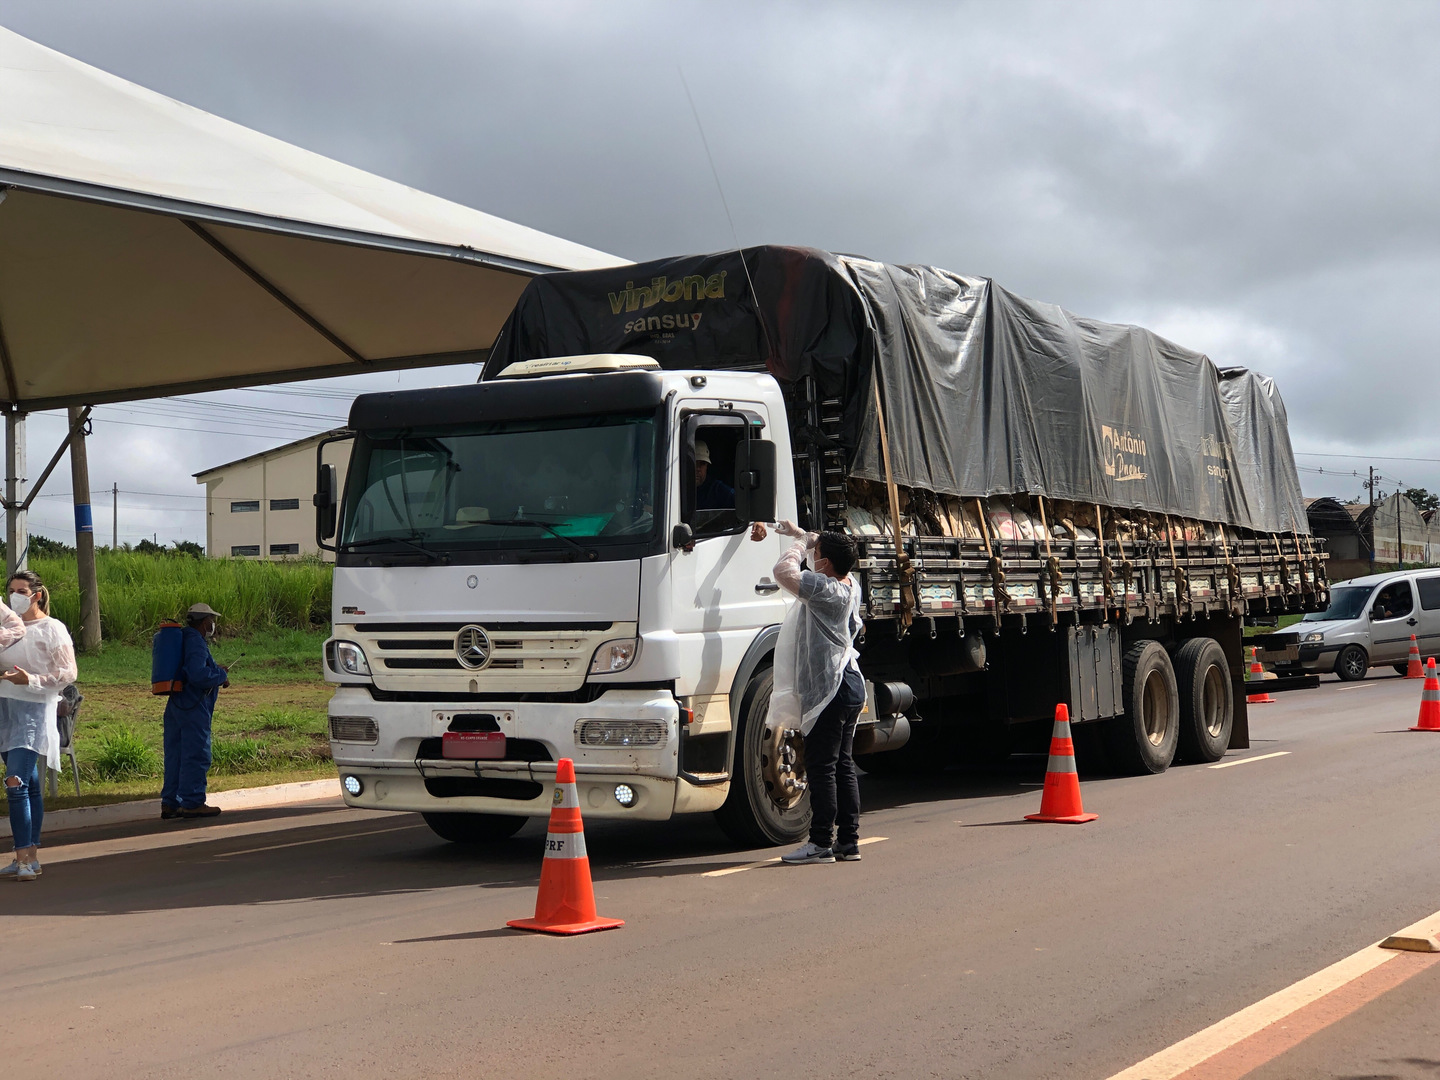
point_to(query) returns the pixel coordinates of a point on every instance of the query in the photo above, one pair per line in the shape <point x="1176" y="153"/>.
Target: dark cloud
<point x="1255" y="180"/>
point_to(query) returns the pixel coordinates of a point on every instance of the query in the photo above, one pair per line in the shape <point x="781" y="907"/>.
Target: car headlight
<point x="1314" y="638"/>
<point x="346" y="658"/>
<point x="614" y="656"/>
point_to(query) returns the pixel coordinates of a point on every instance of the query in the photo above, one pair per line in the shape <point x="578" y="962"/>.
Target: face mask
<point x="19" y="603"/>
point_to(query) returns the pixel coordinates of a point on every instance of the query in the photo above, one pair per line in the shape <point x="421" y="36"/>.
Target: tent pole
<point x="17" y="536"/>
<point x="84" y="533"/>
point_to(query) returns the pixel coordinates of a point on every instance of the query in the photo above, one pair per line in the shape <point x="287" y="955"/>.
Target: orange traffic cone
<point x="1257" y="675"/>
<point x="1429" y="701"/>
<point x="566" y="902"/>
<point x="1413" y="670"/>
<point x="1060" y="801"/>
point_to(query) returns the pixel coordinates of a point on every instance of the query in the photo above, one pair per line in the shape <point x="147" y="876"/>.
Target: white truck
<point x="557" y="561"/>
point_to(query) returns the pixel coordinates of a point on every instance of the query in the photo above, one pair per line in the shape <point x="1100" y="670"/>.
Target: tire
<point x="1145" y="738"/>
<point x="1207" y="700"/>
<point x="1401" y="669"/>
<point x="474" y="828"/>
<point x="1352" y="663"/>
<point x="758" y="811"/>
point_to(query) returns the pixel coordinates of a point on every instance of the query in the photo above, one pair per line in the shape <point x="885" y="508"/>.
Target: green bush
<point x="123" y="755"/>
<point x="138" y="591"/>
<point x="237" y="755"/>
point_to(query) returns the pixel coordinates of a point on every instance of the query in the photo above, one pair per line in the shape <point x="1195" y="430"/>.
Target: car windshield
<point x="1346" y="602"/>
<point x="539" y="483"/>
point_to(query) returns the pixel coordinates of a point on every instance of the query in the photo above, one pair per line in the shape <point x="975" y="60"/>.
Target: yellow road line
<point x="1203" y="1045"/>
<point x="1247" y="760"/>
<point x="771" y="862"/>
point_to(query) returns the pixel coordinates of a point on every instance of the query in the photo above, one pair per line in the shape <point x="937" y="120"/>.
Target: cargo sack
<point x="166" y="653"/>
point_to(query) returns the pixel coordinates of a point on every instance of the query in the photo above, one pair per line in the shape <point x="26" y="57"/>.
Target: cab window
<point x="710" y="505"/>
<point x="1393" y="601"/>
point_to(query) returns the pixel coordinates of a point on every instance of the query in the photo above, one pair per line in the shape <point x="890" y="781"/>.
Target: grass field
<point x="270" y="726"/>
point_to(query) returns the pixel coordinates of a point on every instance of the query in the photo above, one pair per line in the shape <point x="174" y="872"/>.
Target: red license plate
<point x="472" y="745"/>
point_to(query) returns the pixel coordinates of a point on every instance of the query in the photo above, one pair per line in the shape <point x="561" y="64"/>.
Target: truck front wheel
<point x="767" y="803"/>
<point x="474" y="828"/>
<point x="1144" y="739"/>
<point x="1207" y="700"/>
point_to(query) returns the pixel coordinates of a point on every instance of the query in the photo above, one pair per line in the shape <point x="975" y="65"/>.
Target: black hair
<point x="42" y="594"/>
<point x="839" y="549"/>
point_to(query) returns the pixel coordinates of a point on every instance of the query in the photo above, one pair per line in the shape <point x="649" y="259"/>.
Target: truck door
<point x="1392" y="621"/>
<point x="723" y="590"/>
<point x="1428" y="633"/>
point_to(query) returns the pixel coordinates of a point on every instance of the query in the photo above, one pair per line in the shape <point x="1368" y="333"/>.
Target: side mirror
<point x="327" y="503"/>
<point x="755" y="480"/>
<point x="682" y="535"/>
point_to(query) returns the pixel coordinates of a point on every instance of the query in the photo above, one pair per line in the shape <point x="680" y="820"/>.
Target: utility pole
<point x="115" y="517"/>
<point x="84" y="536"/>
<point x="1370" y="486"/>
<point x="17" y="537"/>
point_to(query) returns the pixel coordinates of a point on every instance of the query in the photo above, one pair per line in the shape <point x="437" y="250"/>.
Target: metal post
<point x="84" y="536"/>
<point x="1371" y="487"/>
<point x="17" y="536"/>
<point x="1399" y="546"/>
<point x="115" y="517"/>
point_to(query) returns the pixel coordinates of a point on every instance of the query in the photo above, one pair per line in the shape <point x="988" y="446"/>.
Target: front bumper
<point x="403" y="769"/>
<point x="1315" y="658"/>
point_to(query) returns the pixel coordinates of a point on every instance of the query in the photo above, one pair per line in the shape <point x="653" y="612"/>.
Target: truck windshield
<point x="1346" y="602"/>
<point x="538" y="483"/>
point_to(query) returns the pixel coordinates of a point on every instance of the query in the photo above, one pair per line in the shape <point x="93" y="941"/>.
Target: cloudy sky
<point x="1257" y="181"/>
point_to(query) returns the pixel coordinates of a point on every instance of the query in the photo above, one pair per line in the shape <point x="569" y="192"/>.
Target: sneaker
<point x="35" y="865"/>
<point x="168" y="812"/>
<point x="199" y="811"/>
<point x="27" y="872"/>
<point x="847" y="852"/>
<point x="11" y="870"/>
<point x="808" y="853"/>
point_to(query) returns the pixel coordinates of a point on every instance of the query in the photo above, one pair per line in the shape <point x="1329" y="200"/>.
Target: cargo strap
<point x="995" y="568"/>
<point x="1052" y="565"/>
<point x="903" y="568"/>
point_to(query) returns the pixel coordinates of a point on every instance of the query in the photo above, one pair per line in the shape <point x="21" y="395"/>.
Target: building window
<point x="284" y="504"/>
<point x="284" y="549"/>
<point x="248" y="506"/>
<point x="245" y="549"/>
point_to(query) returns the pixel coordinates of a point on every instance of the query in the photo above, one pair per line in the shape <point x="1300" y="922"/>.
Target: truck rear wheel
<point x="474" y="828"/>
<point x="768" y="803"/>
<point x="1207" y="700"/>
<point x="1144" y="739"/>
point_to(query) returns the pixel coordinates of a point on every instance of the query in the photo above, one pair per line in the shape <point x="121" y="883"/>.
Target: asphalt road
<point x="968" y="943"/>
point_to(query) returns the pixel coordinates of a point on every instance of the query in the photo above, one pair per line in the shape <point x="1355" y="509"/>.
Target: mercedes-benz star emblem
<point x="472" y="647"/>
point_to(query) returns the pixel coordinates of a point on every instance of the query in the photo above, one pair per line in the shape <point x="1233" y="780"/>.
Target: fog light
<point x="624" y="794"/>
<point x="353" y="786"/>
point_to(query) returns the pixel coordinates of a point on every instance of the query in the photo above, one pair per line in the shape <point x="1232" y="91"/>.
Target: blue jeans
<point x="187" y="758"/>
<point x="27" y="802"/>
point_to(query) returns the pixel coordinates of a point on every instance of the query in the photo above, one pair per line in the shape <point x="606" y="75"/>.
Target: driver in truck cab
<point x="711" y="493"/>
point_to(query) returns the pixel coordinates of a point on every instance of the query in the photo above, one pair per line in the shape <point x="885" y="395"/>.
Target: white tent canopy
<point x="148" y="248"/>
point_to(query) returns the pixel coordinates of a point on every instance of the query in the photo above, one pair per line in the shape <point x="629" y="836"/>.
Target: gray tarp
<point x="984" y="392"/>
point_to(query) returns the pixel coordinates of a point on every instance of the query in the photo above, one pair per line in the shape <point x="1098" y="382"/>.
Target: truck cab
<point x="560" y="563"/>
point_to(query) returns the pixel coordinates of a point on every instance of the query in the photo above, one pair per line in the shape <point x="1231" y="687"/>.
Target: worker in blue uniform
<point x="188" y="715"/>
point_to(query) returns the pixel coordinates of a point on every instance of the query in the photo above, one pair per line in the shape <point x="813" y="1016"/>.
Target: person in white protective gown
<point x="33" y="671"/>
<point x="818" y="687"/>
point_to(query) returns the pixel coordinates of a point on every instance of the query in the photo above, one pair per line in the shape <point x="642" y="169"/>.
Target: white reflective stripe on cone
<point x="1061" y="730"/>
<point x="1430" y="695"/>
<point x="567" y="845"/>
<point x="1063" y="764"/>
<point x="566" y="797"/>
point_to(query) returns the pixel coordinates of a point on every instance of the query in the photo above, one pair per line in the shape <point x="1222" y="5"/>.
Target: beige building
<point x="261" y="506"/>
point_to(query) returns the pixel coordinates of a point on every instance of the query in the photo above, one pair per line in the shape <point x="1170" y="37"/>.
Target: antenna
<point x="735" y="236"/>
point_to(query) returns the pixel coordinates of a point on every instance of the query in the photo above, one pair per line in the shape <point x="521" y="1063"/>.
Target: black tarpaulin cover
<point x="984" y="392"/>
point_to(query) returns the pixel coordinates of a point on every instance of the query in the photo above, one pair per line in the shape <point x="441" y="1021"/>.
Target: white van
<point x="1369" y="623"/>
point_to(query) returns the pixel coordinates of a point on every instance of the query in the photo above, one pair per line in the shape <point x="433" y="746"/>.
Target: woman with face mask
<point x="33" y="671"/>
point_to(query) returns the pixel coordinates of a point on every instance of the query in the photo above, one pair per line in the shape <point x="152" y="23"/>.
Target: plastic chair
<point x="67" y="714"/>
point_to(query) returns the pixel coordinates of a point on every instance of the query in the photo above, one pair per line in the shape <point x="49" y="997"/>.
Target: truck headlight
<point x="613" y="734"/>
<point x="346" y="658"/>
<point x="1314" y="638"/>
<point x="614" y="656"/>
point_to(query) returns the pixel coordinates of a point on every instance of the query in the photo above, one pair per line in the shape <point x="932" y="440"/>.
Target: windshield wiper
<point x="434" y="556"/>
<point x="589" y="553"/>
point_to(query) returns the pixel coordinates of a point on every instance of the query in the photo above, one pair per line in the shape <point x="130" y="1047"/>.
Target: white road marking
<point x="1247" y="760"/>
<point x="1203" y="1045"/>
<point x="319" y="840"/>
<point x="771" y="862"/>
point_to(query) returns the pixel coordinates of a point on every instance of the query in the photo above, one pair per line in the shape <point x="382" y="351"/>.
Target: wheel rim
<point x="782" y="764"/>
<point x="1212" y="700"/>
<point x="1352" y="664"/>
<point x="1157" y="708"/>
